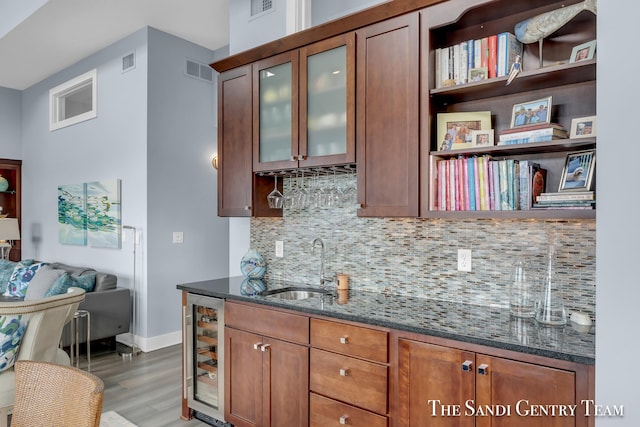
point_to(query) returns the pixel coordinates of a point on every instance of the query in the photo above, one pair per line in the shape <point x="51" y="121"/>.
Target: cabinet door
<point x="285" y="384"/>
<point x="523" y="385"/>
<point x="243" y="378"/>
<point x="275" y="112"/>
<point x="327" y="108"/>
<point x="234" y="143"/>
<point x="387" y="145"/>
<point x="429" y="372"/>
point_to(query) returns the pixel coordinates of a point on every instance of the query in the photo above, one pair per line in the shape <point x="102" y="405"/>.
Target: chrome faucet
<point x="323" y="279"/>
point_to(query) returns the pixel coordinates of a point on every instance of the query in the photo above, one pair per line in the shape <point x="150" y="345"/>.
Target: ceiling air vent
<point x="128" y="62"/>
<point x="199" y="71"/>
<point x="260" y="6"/>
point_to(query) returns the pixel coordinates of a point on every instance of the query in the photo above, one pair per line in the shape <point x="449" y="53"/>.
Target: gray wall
<point x="246" y="32"/>
<point x="155" y="131"/>
<point x="181" y="180"/>
<point x="618" y="233"/>
<point x="328" y="10"/>
<point x="10" y="124"/>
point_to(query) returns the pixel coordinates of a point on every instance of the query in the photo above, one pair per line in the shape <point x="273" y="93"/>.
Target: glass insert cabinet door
<point x="327" y="100"/>
<point x="277" y="112"/>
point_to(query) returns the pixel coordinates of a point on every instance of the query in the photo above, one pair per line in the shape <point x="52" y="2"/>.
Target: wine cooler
<point x="204" y="352"/>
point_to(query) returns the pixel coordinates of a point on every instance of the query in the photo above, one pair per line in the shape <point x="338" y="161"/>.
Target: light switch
<point x="178" y="237"/>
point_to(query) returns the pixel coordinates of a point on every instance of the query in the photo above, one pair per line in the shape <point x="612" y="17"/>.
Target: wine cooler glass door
<point x="206" y="367"/>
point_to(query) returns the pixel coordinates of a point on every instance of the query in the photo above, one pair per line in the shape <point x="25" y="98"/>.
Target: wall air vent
<point x="260" y="6"/>
<point x="198" y="71"/>
<point x="128" y="62"/>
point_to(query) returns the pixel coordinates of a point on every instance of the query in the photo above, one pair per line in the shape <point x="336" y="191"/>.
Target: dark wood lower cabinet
<point x="442" y="386"/>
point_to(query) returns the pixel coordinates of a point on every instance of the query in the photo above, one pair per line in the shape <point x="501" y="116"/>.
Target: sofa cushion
<point x="104" y="281"/>
<point x="42" y="281"/>
<point x="20" y="278"/>
<point x="11" y="331"/>
<point x="66" y="281"/>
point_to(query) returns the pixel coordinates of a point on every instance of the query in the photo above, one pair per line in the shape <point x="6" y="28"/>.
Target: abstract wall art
<point x="90" y="213"/>
<point x="72" y="214"/>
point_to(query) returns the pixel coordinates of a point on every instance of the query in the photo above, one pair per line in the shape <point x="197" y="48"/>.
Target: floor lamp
<point x="134" y="322"/>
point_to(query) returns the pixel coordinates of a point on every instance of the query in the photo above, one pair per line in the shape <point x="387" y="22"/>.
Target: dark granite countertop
<point x="488" y="326"/>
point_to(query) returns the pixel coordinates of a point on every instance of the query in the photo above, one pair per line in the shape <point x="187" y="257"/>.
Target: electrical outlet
<point x="464" y="259"/>
<point x="279" y="248"/>
<point x="178" y="237"/>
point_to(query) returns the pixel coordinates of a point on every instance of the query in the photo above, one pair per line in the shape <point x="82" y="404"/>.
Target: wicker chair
<point x="49" y="394"/>
<point x="46" y="319"/>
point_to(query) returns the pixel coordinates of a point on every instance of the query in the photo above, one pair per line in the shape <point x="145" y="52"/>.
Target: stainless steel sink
<point x="295" y="293"/>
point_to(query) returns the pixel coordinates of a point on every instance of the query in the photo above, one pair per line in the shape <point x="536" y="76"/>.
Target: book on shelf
<point x="537" y="135"/>
<point x="496" y="52"/>
<point x="508" y="48"/>
<point x="573" y="204"/>
<point x="532" y="182"/>
<point x="566" y="196"/>
<point x="532" y="126"/>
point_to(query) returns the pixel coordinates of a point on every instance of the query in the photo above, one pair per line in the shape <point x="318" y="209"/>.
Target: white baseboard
<point x="152" y="343"/>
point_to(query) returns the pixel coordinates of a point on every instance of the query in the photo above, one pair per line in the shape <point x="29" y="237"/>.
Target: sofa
<point x="108" y="305"/>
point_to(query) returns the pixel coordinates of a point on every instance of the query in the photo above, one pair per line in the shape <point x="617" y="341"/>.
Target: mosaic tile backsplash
<point x="418" y="257"/>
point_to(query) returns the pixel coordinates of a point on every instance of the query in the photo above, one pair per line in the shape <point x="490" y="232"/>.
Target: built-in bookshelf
<point x="572" y="86"/>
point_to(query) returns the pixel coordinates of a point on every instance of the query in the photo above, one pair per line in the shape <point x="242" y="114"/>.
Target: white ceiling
<point x="62" y="32"/>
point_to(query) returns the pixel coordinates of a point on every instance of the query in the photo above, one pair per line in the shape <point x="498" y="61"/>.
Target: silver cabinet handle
<point x="344" y="372"/>
<point x="247" y="208"/>
<point x="256" y="346"/>
<point x="344" y="340"/>
<point x="483" y="369"/>
<point x="265" y="347"/>
<point x="344" y="419"/>
<point x="466" y="365"/>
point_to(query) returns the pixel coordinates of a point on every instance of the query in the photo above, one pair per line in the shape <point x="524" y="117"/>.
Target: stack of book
<point x="496" y="53"/>
<point x="481" y="183"/>
<point x="566" y="200"/>
<point x="538" y="132"/>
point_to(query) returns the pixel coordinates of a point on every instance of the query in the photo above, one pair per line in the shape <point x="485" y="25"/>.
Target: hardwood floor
<point x="145" y="389"/>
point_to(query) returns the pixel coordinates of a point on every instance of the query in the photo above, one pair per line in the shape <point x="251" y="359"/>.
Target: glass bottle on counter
<point x="522" y="292"/>
<point x="551" y="310"/>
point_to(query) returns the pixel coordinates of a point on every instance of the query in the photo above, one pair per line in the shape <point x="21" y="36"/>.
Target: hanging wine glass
<point x="275" y="197"/>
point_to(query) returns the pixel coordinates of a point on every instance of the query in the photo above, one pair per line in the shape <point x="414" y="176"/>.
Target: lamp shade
<point x="9" y="229"/>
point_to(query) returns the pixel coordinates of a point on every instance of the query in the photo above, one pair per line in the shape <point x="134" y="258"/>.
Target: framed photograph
<point x="454" y="129"/>
<point x="531" y="112"/>
<point x="482" y="138"/>
<point x="478" y="74"/>
<point x="583" y="51"/>
<point x="578" y="171"/>
<point x="583" y="127"/>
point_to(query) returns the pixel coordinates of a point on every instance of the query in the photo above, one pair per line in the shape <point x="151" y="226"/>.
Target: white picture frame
<point x="583" y="127"/>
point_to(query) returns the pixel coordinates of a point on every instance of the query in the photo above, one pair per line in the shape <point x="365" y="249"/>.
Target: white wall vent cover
<point x="260" y="6"/>
<point x="129" y="62"/>
<point x="199" y="71"/>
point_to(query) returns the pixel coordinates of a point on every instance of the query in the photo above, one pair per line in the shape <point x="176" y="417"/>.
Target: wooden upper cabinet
<point x="387" y="117"/>
<point x="234" y="143"/>
<point x="275" y="112"/>
<point x="327" y="102"/>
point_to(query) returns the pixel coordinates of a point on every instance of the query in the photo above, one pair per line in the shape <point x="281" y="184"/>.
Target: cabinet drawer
<point x="325" y="412"/>
<point x="356" y="381"/>
<point x="350" y="340"/>
<point x="285" y="326"/>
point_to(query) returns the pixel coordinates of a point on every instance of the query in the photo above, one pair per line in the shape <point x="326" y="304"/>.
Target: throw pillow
<point x="66" y="281"/>
<point x="42" y="281"/>
<point x="20" y="279"/>
<point x="6" y="270"/>
<point x="11" y="331"/>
